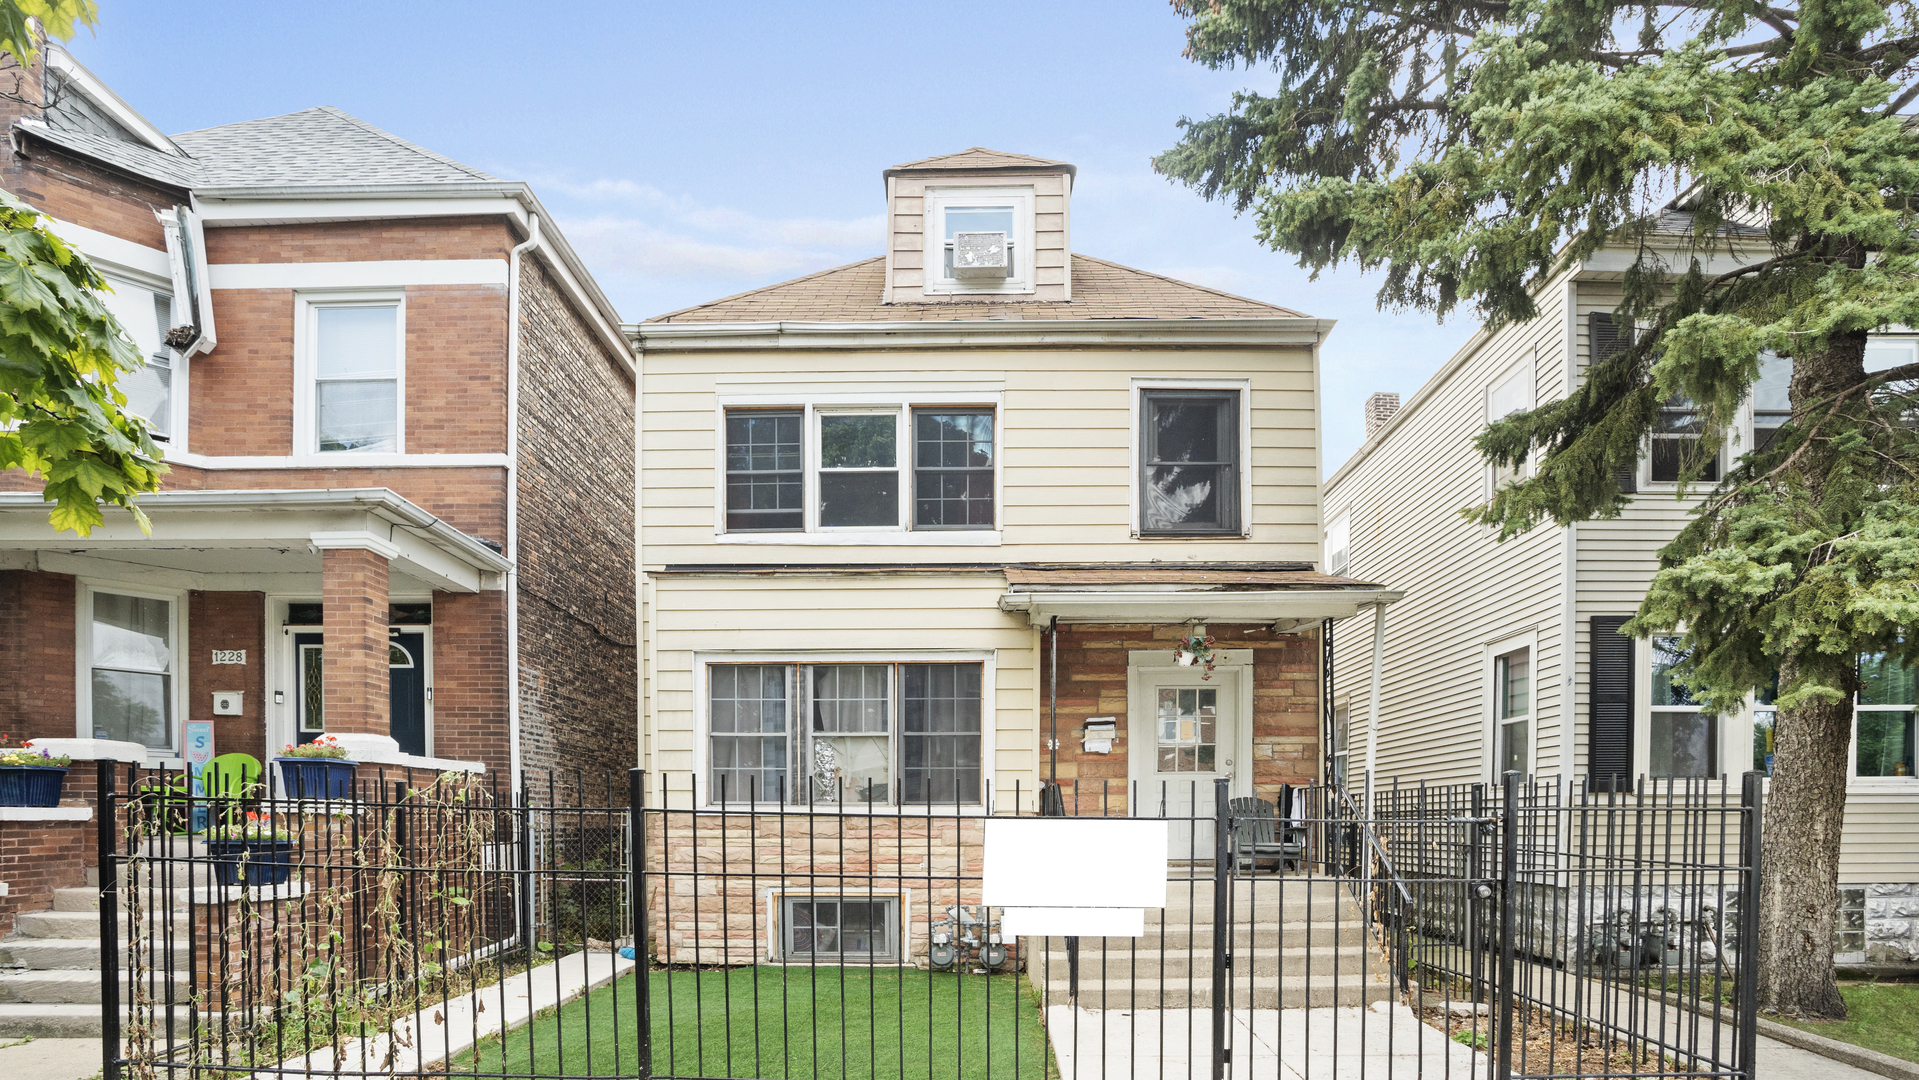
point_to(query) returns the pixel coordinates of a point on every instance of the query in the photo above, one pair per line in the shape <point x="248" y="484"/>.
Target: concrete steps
<point x="1290" y="992"/>
<point x="77" y="986"/>
<point x="50" y="979"/>
<point x="1353" y="960"/>
<point x="78" y="1021"/>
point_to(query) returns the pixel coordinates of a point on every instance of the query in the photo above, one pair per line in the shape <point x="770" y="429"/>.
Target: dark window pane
<point x="764" y="484"/>
<point x="1886" y="743"/>
<point x="858" y="442"/>
<point x="1684" y="744"/>
<point x="851" y="499"/>
<point x="1667" y="654"/>
<point x="1675" y="445"/>
<point x="746" y="716"/>
<point x="940" y="742"/>
<point x="953" y="469"/>
<point x="1190" y="462"/>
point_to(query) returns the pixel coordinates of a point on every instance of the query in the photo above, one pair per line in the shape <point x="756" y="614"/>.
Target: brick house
<point x="921" y="535"/>
<point x="399" y="418"/>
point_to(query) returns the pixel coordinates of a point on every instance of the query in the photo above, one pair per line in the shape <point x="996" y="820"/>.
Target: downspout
<point x="1372" y="722"/>
<point x="513" y="493"/>
<point x="1053" y="742"/>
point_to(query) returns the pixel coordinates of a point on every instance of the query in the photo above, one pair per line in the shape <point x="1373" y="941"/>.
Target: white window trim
<point x="1643" y="707"/>
<point x="83" y="655"/>
<point x="989" y="719"/>
<point x="305" y="423"/>
<point x="1137" y="391"/>
<point x="282" y="671"/>
<point x="936" y="201"/>
<point x="1525" y="371"/>
<point x="1902" y="784"/>
<point x="900" y="535"/>
<point x="776" y="927"/>
<point x="1490" y="722"/>
<point x="1341" y="530"/>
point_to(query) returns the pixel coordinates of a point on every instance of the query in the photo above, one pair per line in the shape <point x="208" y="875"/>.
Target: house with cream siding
<point x="923" y="532"/>
<point x="1507" y="656"/>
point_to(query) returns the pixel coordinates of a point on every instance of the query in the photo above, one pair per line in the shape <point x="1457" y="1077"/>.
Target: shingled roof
<point x="979" y="157"/>
<point x="319" y="146"/>
<point x="1101" y="290"/>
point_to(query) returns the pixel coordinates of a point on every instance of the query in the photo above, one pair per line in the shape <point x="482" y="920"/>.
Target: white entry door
<point x="1186" y="731"/>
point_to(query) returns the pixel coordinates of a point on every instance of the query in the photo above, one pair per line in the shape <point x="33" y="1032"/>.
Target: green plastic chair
<point x="231" y="776"/>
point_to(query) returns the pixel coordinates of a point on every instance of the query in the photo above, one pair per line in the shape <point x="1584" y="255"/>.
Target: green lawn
<point x="855" y="1023"/>
<point x="1879" y="1016"/>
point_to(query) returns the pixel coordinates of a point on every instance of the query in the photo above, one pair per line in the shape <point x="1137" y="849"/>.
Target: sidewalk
<point x="52" y="1059"/>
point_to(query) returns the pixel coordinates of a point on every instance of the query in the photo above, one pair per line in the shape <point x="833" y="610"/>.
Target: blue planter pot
<point x="317" y="778"/>
<point x="251" y="862"/>
<point x="31" y="785"/>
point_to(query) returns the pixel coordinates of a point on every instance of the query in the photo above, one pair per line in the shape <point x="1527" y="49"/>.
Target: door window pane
<point x="1188" y="724"/>
<point x="953" y="469"/>
<point x="859" y="471"/>
<point x="940" y="732"/>
<point x="1191" y="450"/>
<point x="356" y="371"/>
<point x="748" y="706"/>
<point x="765" y="491"/>
<point x="132" y="669"/>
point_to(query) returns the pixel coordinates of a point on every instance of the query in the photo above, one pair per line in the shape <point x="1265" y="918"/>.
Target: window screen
<point x="1189" y="482"/>
<point x="859" y="470"/>
<point x="765" y="486"/>
<point x="940" y="733"/>
<point x="952" y="468"/>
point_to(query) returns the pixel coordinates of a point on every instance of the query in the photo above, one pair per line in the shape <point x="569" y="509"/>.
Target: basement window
<point x="839" y="928"/>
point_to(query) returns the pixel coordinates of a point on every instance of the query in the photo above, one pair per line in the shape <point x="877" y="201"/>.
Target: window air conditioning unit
<point x="979" y="255"/>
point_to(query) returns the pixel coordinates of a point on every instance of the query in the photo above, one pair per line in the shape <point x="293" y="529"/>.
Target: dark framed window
<point x="1189" y="463"/>
<point x="1675" y="444"/>
<point x="940" y="733"/>
<point x="953" y="468"/>
<point x="839" y="928"/>
<point x="765" y="471"/>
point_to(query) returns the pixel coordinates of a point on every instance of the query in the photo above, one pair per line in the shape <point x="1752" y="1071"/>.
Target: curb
<point x="1847" y="1053"/>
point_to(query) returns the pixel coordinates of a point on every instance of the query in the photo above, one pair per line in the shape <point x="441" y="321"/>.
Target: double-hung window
<point x="845" y="733"/>
<point x="1512" y="710"/>
<point x="1888" y="695"/>
<point x="1771" y="399"/>
<point x="1683" y="739"/>
<point x="357" y="372"/>
<point x="1511" y="394"/>
<point x="130" y="660"/>
<point x="1675" y="444"/>
<point x="860" y="469"/>
<point x="1189" y="462"/>
<point x="146" y="316"/>
<point x="1339" y="543"/>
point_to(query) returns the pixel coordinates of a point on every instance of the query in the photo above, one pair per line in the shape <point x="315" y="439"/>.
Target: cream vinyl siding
<point x="1068" y="453"/>
<point x="906" y="232"/>
<point x="1464" y="589"/>
<point x="791" y="613"/>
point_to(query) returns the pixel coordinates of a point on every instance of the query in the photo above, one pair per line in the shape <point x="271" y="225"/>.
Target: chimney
<point x="1379" y="409"/>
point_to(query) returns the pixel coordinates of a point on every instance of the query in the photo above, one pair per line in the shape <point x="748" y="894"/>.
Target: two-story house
<point x="924" y="530"/>
<point x="398" y="416"/>
<point x="1507" y="656"/>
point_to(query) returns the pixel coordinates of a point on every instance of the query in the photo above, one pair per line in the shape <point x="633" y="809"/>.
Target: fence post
<point x="108" y="836"/>
<point x="1752" y="801"/>
<point x="642" y="947"/>
<point x="1222" y="923"/>
<point x="1475" y="876"/>
<point x="1508" y="914"/>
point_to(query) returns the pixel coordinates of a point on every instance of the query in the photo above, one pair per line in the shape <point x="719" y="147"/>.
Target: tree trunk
<point x="1806" y="802"/>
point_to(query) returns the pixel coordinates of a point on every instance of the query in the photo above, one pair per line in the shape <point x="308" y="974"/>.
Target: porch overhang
<point x="247" y="539"/>
<point x="1290" y="598"/>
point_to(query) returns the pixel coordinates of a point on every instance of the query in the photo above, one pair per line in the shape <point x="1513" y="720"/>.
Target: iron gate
<point x="423" y="924"/>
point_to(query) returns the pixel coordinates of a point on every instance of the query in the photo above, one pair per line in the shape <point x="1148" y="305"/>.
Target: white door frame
<point x="1141" y="734"/>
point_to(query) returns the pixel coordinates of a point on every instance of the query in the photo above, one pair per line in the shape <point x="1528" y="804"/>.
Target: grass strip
<point x="1879" y="1016"/>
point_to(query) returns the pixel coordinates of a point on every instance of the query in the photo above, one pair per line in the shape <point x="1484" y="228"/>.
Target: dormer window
<point x="962" y="227"/>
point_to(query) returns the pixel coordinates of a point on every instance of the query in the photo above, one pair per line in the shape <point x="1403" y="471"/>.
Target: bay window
<point x="860" y="468"/>
<point x="878" y="733"/>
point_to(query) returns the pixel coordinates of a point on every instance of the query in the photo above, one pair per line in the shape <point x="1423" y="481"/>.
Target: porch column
<point x="354" y="672"/>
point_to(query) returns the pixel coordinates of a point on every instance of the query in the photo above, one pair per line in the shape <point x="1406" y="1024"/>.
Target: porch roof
<point x="1289" y="595"/>
<point x="250" y="539"/>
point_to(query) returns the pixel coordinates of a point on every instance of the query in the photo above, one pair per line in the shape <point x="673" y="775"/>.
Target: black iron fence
<point x="632" y="926"/>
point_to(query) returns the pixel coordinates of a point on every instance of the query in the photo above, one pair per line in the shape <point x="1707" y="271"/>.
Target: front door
<point x="406" y="665"/>
<point x="1191" y="737"/>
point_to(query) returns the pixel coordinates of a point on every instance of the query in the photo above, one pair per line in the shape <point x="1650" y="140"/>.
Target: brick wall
<point x="37" y="857"/>
<point x="578" y="675"/>
<point x="240" y="395"/>
<point x="469" y="679"/>
<point x="38" y="697"/>
<point x="1092" y="682"/>
<point x="471" y="499"/>
<point x="354" y="663"/>
<point x="228" y="620"/>
<point x="360" y="241"/>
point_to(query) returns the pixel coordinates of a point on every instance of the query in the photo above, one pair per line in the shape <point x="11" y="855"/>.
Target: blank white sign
<point x="1074" y="863"/>
<point x="1072" y="922"/>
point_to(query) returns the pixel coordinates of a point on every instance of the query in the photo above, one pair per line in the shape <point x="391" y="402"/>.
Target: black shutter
<point x="1605" y="338"/>
<point x="1609" y="721"/>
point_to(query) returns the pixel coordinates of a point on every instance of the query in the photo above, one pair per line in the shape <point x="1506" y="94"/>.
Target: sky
<point x="692" y="151"/>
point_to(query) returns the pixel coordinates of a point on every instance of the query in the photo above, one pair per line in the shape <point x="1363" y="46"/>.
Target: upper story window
<point x="1683" y="739"/>
<point x="1339" y="542"/>
<point x="868" y="468"/>
<point x="146" y="315"/>
<point x="1675" y="444"/>
<point x="1512" y="393"/>
<point x="1771" y="399"/>
<point x="1189" y="462"/>
<point x="354" y="375"/>
<point x="961" y="250"/>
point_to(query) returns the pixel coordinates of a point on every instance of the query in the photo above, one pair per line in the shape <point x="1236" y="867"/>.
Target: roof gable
<point x="979" y="157"/>
<point x="318" y="146"/>
<point x="1101" y="290"/>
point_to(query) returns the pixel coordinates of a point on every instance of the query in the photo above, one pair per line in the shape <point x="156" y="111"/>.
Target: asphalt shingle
<point x="318" y="146"/>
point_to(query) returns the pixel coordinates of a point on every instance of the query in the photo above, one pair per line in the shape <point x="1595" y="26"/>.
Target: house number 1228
<point x="229" y="656"/>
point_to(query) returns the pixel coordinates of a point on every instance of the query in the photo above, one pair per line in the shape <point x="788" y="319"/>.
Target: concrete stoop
<point x="50" y="980"/>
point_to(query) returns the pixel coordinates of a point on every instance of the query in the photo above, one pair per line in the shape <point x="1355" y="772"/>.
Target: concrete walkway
<point x="1381" y="1042"/>
<point x="51" y="1059"/>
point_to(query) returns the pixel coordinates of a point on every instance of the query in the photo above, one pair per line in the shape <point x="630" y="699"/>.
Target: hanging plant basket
<point x="1195" y="650"/>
